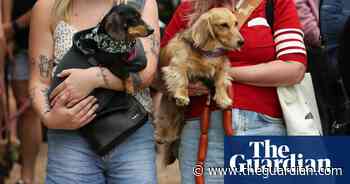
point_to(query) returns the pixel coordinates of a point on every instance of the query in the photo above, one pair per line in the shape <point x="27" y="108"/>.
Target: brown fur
<point x="216" y="29"/>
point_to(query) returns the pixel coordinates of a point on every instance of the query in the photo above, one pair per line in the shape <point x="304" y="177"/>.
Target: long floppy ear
<point x="200" y="31"/>
<point x="210" y="28"/>
<point x="114" y="25"/>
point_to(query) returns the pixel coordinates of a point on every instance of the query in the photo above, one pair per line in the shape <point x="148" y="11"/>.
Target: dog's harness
<point x="103" y="42"/>
<point x="245" y="10"/>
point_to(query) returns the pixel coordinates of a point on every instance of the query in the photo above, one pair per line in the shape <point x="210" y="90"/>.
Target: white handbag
<point x="300" y="109"/>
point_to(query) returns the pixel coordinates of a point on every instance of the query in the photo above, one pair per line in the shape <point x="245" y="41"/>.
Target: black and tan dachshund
<point x="111" y="44"/>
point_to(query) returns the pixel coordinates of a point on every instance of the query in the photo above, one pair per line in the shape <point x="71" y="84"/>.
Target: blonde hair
<point x="62" y="8"/>
<point x="202" y="6"/>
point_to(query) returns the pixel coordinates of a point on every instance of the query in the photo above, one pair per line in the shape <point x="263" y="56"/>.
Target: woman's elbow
<point x="298" y="72"/>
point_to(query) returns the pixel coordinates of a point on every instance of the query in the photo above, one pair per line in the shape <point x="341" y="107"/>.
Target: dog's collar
<point x="103" y="42"/>
<point x="209" y="54"/>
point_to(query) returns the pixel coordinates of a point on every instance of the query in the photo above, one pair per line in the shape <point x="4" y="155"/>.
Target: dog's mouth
<point x="237" y="46"/>
<point x="140" y="31"/>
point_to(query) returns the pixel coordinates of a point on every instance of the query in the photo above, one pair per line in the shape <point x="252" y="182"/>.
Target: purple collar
<point x="208" y="54"/>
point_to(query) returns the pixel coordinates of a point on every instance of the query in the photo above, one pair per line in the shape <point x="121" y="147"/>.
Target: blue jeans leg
<point x="134" y="161"/>
<point x="71" y="161"/>
<point x="244" y="123"/>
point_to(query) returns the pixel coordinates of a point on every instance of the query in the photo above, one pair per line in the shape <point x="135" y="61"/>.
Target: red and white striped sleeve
<point x="288" y="35"/>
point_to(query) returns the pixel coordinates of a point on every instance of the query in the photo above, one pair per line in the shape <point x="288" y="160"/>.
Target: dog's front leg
<point x="176" y="79"/>
<point x="222" y="82"/>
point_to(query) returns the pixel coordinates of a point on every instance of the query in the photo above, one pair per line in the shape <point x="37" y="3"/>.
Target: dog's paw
<point x="223" y="102"/>
<point x="182" y="100"/>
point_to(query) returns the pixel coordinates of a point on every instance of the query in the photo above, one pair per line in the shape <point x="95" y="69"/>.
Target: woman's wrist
<point x="46" y="116"/>
<point x="100" y="77"/>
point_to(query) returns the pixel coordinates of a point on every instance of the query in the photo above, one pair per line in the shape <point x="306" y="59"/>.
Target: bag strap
<point x="269" y="11"/>
<point x="245" y="10"/>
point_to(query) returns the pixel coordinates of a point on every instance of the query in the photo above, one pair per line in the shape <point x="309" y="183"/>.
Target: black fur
<point x="88" y="55"/>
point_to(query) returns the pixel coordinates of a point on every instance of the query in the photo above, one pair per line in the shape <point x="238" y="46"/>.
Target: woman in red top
<point x="270" y="57"/>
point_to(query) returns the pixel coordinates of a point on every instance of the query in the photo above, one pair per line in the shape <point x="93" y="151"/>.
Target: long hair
<point x="62" y="8"/>
<point x="202" y="6"/>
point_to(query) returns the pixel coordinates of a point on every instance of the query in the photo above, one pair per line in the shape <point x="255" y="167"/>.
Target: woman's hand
<point x="197" y="89"/>
<point x="78" y="84"/>
<point x="62" y="117"/>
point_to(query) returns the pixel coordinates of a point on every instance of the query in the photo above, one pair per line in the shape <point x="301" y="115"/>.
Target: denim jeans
<point x="245" y="123"/>
<point x="19" y="68"/>
<point x="71" y="161"/>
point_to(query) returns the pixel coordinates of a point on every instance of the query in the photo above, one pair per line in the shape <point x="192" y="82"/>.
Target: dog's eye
<point x="236" y="24"/>
<point x="225" y="25"/>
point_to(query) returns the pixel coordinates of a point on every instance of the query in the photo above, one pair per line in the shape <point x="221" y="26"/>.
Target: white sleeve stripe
<point x="288" y="36"/>
<point x="284" y="45"/>
<point x="291" y="51"/>
<point x="288" y="30"/>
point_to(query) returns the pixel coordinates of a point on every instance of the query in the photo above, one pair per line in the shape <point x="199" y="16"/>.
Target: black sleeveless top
<point x="20" y="7"/>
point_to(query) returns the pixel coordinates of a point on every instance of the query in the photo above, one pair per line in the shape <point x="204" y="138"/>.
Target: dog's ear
<point x="202" y="31"/>
<point x="115" y="26"/>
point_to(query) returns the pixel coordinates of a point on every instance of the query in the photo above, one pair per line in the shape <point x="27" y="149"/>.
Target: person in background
<point x="309" y="14"/>
<point x="2" y="64"/>
<point x="333" y="15"/>
<point x="308" y="11"/>
<point x="256" y="71"/>
<point x="16" y="27"/>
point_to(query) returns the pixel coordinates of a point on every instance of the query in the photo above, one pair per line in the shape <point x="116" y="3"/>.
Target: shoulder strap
<point x="269" y="11"/>
<point x="245" y="10"/>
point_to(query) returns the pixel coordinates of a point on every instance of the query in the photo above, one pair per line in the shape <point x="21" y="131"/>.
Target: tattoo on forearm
<point x="45" y="66"/>
<point x="45" y="93"/>
<point x="154" y="44"/>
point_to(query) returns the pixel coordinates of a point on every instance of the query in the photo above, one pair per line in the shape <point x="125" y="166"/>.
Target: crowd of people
<point x="34" y="36"/>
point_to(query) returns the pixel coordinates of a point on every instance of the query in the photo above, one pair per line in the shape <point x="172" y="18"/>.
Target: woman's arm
<point x="274" y="73"/>
<point x="151" y="43"/>
<point x="41" y="54"/>
<point x="7" y="10"/>
<point x="290" y="64"/>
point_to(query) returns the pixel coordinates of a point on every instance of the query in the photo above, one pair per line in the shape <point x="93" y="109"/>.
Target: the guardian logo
<point x="267" y="155"/>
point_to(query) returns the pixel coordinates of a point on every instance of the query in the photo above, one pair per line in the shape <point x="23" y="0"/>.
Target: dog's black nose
<point x="240" y="43"/>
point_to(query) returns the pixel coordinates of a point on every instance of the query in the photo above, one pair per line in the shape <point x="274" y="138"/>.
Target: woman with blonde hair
<point x="273" y="55"/>
<point x="70" y="159"/>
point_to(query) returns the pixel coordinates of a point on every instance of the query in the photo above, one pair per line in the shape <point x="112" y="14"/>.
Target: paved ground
<point x="169" y="175"/>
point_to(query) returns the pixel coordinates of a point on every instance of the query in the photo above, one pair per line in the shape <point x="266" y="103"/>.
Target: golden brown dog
<point x="198" y="52"/>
